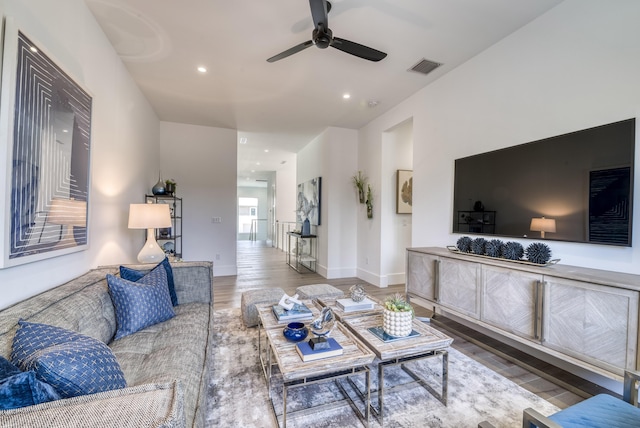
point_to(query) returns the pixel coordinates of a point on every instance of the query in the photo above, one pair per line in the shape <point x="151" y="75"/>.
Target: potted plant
<point x="397" y="317"/>
<point x="360" y="180"/>
<point x="170" y="186"/>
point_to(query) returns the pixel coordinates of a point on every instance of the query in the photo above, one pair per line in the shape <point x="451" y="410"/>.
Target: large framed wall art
<point x="45" y="131"/>
<point x="308" y="201"/>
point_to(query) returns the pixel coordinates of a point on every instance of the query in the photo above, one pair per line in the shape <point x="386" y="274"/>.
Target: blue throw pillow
<point x="72" y="363"/>
<point x="134" y="275"/>
<point x="20" y="389"/>
<point x="140" y="304"/>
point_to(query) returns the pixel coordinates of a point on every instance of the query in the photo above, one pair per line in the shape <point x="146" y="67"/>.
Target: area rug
<point x="238" y="395"/>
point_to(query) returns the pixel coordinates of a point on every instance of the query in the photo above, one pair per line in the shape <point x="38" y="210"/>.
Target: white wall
<point x="124" y="137"/>
<point x="397" y="153"/>
<point x="332" y="156"/>
<point x="573" y="68"/>
<point x="203" y="161"/>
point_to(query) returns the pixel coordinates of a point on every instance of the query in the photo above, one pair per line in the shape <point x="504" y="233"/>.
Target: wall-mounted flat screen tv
<point x="575" y="187"/>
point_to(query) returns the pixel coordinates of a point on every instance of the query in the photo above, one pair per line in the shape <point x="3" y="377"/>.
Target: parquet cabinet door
<point x="421" y="274"/>
<point x="595" y="323"/>
<point x="509" y="300"/>
<point x="458" y="286"/>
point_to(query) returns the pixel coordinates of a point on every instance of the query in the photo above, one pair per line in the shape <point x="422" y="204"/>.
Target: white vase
<point x="397" y="324"/>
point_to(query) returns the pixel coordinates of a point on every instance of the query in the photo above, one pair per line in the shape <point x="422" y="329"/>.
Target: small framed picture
<point x="404" y="192"/>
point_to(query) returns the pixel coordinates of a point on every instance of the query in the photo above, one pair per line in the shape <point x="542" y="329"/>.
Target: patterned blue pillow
<point x="140" y="304"/>
<point x="72" y="363"/>
<point x="19" y="389"/>
<point x="134" y="275"/>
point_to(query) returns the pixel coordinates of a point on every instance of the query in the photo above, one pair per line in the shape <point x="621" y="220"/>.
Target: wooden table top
<point x="429" y="339"/>
<point x="355" y="354"/>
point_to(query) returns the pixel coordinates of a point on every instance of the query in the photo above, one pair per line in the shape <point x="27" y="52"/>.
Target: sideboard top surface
<point x="604" y="277"/>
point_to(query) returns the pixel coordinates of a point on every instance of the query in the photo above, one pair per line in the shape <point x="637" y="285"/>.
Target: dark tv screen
<point x="582" y="180"/>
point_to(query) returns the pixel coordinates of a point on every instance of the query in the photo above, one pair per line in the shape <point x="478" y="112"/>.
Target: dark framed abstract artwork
<point x="46" y="124"/>
<point x="308" y="201"/>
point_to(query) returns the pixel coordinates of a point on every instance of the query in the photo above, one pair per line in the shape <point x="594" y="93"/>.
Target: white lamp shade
<point x="149" y="216"/>
<point x="543" y="225"/>
<point x="68" y="212"/>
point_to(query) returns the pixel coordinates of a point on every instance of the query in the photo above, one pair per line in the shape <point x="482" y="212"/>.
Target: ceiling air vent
<point x="424" y="66"/>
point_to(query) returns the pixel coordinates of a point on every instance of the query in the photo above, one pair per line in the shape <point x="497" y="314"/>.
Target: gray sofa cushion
<point x="158" y="405"/>
<point x="82" y="305"/>
<point x="165" y="351"/>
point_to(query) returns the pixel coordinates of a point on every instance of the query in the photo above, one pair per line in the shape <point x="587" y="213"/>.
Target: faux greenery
<point x="538" y="253"/>
<point x="398" y="303"/>
<point x="477" y="246"/>
<point x="464" y="244"/>
<point x="493" y="248"/>
<point x="512" y="251"/>
<point x="170" y="181"/>
<point x="360" y="180"/>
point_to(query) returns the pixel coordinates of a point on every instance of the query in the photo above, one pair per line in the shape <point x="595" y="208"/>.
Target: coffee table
<point x="430" y="343"/>
<point x="281" y="355"/>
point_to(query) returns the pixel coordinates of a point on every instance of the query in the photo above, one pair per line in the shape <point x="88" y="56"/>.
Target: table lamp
<point x="543" y="225"/>
<point x="150" y="217"/>
<point x="70" y="213"/>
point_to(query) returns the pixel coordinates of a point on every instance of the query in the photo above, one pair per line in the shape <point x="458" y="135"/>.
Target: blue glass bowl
<point x="295" y="331"/>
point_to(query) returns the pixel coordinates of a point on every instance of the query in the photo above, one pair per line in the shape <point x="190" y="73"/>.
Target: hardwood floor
<point x="261" y="266"/>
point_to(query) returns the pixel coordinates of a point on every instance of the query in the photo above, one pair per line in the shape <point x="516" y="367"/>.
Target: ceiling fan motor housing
<point x="322" y="37"/>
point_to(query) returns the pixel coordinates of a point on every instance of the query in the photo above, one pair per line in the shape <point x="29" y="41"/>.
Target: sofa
<point x="164" y="365"/>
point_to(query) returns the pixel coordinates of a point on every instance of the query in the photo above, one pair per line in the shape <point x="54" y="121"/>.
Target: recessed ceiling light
<point x="257" y="163"/>
<point x="202" y="69"/>
<point x="266" y="150"/>
<point x="346" y="96"/>
<point x="253" y="170"/>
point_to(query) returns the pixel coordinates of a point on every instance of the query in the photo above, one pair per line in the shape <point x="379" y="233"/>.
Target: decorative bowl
<point x="295" y="331"/>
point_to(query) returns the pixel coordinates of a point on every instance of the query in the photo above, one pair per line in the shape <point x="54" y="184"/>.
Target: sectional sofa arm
<point x="157" y="405"/>
<point x="630" y="388"/>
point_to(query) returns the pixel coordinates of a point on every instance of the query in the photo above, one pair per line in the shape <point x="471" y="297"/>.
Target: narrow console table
<point x="584" y="316"/>
<point x="302" y="253"/>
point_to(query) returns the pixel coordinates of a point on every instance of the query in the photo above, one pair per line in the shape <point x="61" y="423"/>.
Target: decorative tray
<point x="521" y="261"/>
<point x="380" y="334"/>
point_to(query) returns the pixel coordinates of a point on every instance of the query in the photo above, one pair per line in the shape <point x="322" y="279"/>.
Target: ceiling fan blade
<point x="357" y="49"/>
<point x="319" y="13"/>
<point x="291" y="51"/>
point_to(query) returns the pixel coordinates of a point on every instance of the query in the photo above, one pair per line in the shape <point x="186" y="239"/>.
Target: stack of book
<point x="349" y="305"/>
<point x="307" y="354"/>
<point x="298" y="312"/>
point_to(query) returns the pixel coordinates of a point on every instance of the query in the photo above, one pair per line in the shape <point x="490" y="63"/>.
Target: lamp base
<point x="151" y="252"/>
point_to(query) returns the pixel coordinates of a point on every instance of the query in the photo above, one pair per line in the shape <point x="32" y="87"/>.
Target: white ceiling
<point x="282" y="106"/>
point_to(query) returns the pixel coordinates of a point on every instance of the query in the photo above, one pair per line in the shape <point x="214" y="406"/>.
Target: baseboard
<point x="224" y="270"/>
<point x="371" y="278"/>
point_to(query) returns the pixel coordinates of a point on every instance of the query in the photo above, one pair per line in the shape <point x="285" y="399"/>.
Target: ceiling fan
<point x="322" y="37"/>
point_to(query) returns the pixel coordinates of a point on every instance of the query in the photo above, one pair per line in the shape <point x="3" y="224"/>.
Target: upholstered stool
<point x="251" y="298"/>
<point x="315" y="291"/>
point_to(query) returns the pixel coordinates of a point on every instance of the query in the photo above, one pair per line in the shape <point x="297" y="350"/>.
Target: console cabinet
<point x="585" y="316"/>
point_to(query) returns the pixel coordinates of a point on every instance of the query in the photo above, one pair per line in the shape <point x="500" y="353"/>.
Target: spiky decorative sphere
<point x="477" y="246"/>
<point x="538" y="253"/>
<point x="464" y="244"/>
<point x="512" y="251"/>
<point x="493" y="248"/>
